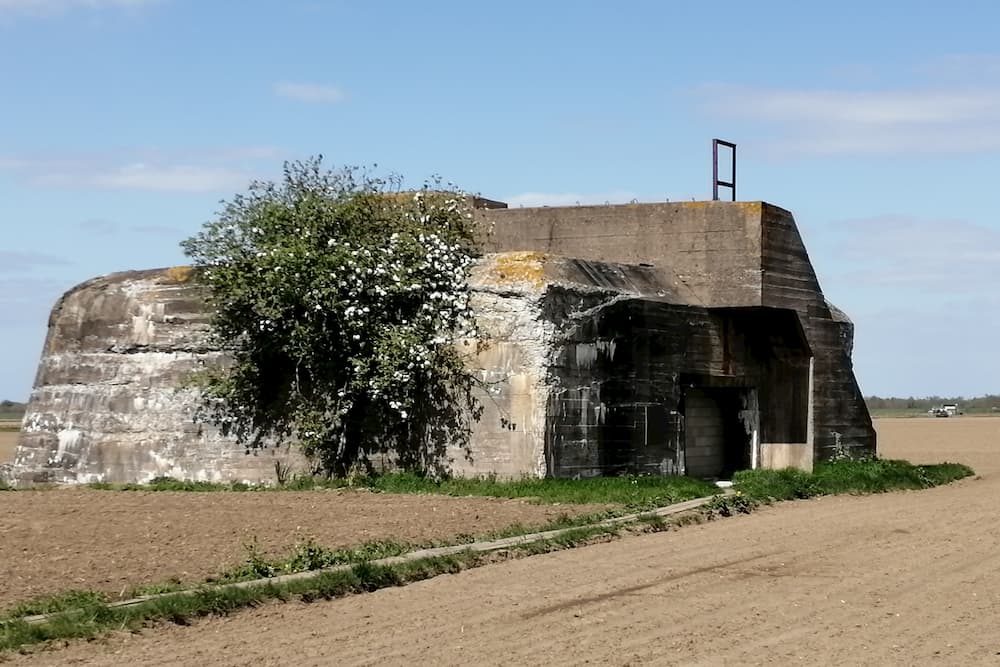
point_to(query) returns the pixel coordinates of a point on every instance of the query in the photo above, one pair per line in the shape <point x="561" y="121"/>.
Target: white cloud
<point x="880" y="108"/>
<point x="927" y="120"/>
<point x="309" y="92"/>
<point x="201" y="172"/>
<point x="529" y="199"/>
<point x="55" y="7"/>
<point x="168" y="178"/>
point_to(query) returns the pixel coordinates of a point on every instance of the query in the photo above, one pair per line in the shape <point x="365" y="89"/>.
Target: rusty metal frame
<point x="731" y="184"/>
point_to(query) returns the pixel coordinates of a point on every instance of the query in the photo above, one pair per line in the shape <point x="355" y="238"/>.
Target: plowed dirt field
<point x="8" y="443"/>
<point x="902" y="578"/>
<point x="54" y="540"/>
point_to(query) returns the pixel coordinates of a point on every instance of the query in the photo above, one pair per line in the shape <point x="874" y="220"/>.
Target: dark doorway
<point x="716" y="442"/>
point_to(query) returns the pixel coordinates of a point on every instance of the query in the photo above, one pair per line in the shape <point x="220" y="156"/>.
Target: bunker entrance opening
<point x="717" y="439"/>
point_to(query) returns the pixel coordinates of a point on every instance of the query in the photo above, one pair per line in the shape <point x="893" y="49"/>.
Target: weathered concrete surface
<point x="598" y="370"/>
<point x="110" y="402"/>
<point x="777" y="455"/>
<point x="535" y="310"/>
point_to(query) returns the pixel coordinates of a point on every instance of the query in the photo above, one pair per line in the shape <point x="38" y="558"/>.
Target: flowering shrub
<point x="344" y="305"/>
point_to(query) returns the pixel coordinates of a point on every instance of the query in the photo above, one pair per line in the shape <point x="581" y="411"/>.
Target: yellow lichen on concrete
<point x="178" y="274"/>
<point x="749" y="206"/>
<point x="525" y="266"/>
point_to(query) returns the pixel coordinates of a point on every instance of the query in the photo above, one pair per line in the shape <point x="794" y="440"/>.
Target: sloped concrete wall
<point x="110" y="403"/>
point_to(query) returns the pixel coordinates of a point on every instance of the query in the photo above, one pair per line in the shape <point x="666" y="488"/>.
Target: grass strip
<point x="844" y="477"/>
<point x="632" y="492"/>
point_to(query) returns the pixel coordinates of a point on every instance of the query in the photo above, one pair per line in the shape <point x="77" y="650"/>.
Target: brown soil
<point x="8" y="443"/>
<point x="902" y="578"/>
<point x="111" y="540"/>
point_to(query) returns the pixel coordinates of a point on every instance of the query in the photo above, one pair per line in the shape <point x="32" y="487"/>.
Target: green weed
<point x="631" y="492"/>
<point x="73" y="599"/>
<point x="846" y="476"/>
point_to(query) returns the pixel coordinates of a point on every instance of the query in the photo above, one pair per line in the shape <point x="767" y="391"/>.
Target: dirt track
<point x="904" y="578"/>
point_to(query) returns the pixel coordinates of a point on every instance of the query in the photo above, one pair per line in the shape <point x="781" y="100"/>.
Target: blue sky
<point x="124" y="122"/>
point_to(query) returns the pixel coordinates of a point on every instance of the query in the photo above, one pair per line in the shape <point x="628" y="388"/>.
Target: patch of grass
<point x="558" y="523"/>
<point x="770" y="485"/>
<point x="173" y="484"/>
<point x="308" y="555"/>
<point x="303" y="483"/>
<point x="848" y="476"/>
<point x="73" y="599"/>
<point x="159" y="588"/>
<point x="730" y="505"/>
<point x="4" y="486"/>
<point x="632" y="492"/>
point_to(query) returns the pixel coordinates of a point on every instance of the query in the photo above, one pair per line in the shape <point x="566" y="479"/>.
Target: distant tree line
<point x="985" y="403"/>
<point x="11" y="410"/>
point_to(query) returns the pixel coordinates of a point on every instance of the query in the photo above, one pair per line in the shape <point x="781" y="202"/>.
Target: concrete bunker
<point x="681" y="338"/>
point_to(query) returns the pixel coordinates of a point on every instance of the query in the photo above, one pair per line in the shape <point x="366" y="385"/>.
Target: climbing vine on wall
<point x="344" y="305"/>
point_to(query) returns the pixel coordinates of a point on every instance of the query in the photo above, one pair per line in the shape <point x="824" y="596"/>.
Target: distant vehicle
<point x="946" y="410"/>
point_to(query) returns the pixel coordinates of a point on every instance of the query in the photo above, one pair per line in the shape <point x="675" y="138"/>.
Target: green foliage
<point x="846" y="476"/>
<point x="306" y="556"/>
<point x="168" y="586"/>
<point x="52" y="603"/>
<point x="731" y="505"/>
<point x="173" y="484"/>
<point x="786" y="484"/>
<point x="632" y="492"/>
<point x="879" y="475"/>
<point x="344" y="304"/>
